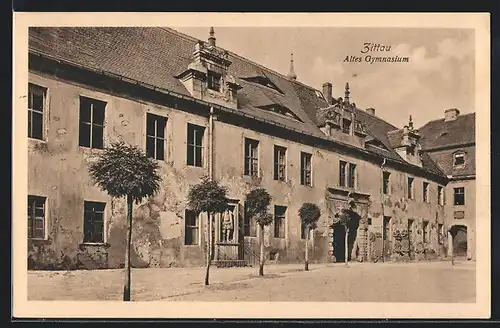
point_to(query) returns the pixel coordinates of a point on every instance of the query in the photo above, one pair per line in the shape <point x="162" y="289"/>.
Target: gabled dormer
<point x="406" y="143"/>
<point x="339" y="119"/>
<point x="207" y="78"/>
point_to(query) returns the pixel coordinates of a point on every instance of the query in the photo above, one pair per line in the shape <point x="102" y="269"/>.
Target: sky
<point x="438" y="76"/>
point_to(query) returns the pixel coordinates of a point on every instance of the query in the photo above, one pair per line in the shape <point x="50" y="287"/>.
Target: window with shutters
<point x="36" y="217"/>
<point x="91" y="123"/>
<point x="93" y="224"/>
<point x="155" y="136"/>
<point x="195" y="145"/>
<point x="36" y="111"/>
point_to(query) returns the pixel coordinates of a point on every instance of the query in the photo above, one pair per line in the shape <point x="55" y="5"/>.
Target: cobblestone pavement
<point x="361" y="282"/>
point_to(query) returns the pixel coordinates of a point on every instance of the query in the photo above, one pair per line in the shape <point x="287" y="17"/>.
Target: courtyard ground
<point x="361" y="282"/>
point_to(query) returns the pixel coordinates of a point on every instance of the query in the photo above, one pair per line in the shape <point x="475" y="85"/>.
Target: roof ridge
<point x="262" y="67"/>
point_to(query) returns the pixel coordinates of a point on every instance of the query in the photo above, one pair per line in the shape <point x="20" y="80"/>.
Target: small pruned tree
<point x="209" y="197"/>
<point x="309" y="214"/>
<point x="126" y="171"/>
<point x="257" y="207"/>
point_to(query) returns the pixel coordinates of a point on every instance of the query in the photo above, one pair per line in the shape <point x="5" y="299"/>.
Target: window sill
<point x="35" y="140"/>
<point x="191" y="245"/>
<point x="307" y="186"/>
<point x="40" y="240"/>
<point x="88" y="244"/>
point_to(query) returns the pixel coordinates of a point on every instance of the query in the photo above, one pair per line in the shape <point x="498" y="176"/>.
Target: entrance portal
<point x="339" y="236"/>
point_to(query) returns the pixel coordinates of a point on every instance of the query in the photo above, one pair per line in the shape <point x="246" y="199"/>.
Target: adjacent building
<point x="201" y="110"/>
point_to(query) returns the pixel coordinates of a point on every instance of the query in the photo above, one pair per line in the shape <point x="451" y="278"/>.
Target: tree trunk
<point x="209" y="249"/>
<point x="306" y="268"/>
<point x="261" y="262"/>
<point x="346" y="246"/>
<point x="126" y="287"/>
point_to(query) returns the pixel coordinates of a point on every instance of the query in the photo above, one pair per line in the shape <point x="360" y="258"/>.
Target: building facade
<point x="450" y="141"/>
<point x="200" y="110"/>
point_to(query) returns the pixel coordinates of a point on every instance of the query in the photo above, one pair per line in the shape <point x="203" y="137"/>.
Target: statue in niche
<point x="227" y="226"/>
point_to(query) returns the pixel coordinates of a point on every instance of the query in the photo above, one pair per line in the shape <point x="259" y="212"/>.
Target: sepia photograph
<point x="213" y="161"/>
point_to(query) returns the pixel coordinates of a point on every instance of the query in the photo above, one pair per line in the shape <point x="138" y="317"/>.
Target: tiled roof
<point x="154" y="56"/>
<point x="439" y="133"/>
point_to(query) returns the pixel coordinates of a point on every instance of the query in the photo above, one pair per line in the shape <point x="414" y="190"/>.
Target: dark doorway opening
<point x="459" y="235"/>
<point x="339" y="235"/>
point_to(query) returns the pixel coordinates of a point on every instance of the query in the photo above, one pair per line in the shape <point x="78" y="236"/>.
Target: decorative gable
<point x="207" y="78"/>
<point x="409" y="147"/>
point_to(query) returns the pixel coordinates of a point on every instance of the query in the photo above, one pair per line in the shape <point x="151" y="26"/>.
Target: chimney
<point x="327" y="92"/>
<point x="451" y="114"/>
<point x="211" y="38"/>
<point x="371" y="111"/>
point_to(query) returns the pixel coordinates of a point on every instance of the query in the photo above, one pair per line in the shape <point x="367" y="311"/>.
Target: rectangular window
<point x="440" y="195"/>
<point x="426" y="235"/>
<point x="192" y="228"/>
<point x="91" y="123"/>
<point x="346" y="126"/>
<point x="342" y="173"/>
<point x="251" y="157"/>
<point x="279" y="163"/>
<point x="36" y="217"/>
<point x="214" y="81"/>
<point x="410" y="188"/>
<point x="458" y="159"/>
<point x="279" y="221"/>
<point x="36" y="108"/>
<point x="305" y="169"/>
<point x="425" y="191"/>
<point x="459" y="196"/>
<point x="440" y="234"/>
<point x="93" y="222"/>
<point x="155" y="136"/>
<point x="195" y="145"/>
<point x="352" y="176"/>
<point x="250" y="226"/>
<point x="386" y="179"/>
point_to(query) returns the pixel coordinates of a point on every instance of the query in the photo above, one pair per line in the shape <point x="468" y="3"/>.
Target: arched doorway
<point x="459" y="235"/>
<point x="339" y="236"/>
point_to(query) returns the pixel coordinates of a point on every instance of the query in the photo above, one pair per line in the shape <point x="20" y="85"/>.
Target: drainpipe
<point x="382" y="205"/>
<point x="210" y="175"/>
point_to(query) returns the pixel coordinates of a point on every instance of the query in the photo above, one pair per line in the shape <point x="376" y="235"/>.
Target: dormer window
<point x="264" y="81"/>
<point x="346" y="126"/>
<point x="459" y="159"/>
<point x="281" y="110"/>
<point x="213" y="81"/>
